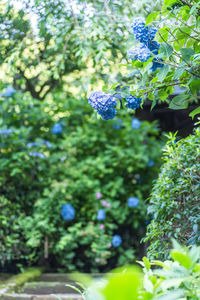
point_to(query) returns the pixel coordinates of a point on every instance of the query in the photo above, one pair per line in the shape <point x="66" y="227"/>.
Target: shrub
<point x="50" y="175"/>
<point x="178" y="278"/>
<point x="174" y="202"/>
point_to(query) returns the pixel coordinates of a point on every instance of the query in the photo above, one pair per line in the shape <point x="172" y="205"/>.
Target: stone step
<point x="45" y="288"/>
<point x="14" y="296"/>
<point x="66" y="277"/>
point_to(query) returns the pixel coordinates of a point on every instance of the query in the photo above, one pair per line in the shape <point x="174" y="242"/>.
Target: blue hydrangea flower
<point x="37" y="154"/>
<point x="67" y="212"/>
<point x="156" y="65"/>
<point x="107" y="114"/>
<point x="154" y="47"/>
<point x="9" y="92"/>
<point x="141" y="53"/>
<point x="133" y="202"/>
<point x="132" y="53"/>
<point x="150" y="163"/>
<point x="57" y="128"/>
<point x="152" y="33"/>
<point x="101" y="214"/>
<point x="29" y="145"/>
<point x="144" y="53"/>
<point x="133" y="102"/>
<point x="140" y="31"/>
<point x="102" y="101"/>
<point x="5" y="131"/>
<point x="116" y="240"/>
<point x="47" y="143"/>
<point x="135" y="124"/>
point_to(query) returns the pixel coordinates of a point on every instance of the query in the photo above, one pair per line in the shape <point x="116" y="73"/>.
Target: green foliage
<point x="60" y="39"/>
<point x="89" y="156"/>
<point x="174" y="202"/>
<point x="171" y="279"/>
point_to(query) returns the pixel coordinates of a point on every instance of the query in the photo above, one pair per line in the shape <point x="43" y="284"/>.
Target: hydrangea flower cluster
<point x="29" y="145"/>
<point x="145" y="35"/>
<point x="9" y="92"/>
<point x="116" y="240"/>
<point x="104" y="104"/>
<point x="141" y="53"/>
<point x="105" y="203"/>
<point x="37" y="154"/>
<point x="150" y="163"/>
<point x="101" y="214"/>
<point x="5" y="131"/>
<point x="133" y="102"/>
<point x="67" y="212"/>
<point x="47" y="143"/>
<point x="135" y="124"/>
<point x="133" y="202"/>
<point x="57" y="128"/>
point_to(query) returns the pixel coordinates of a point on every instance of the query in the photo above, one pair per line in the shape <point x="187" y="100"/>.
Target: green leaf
<point x="166" y="50"/>
<point x="124" y="284"/>
<point x="167" y="3"/>
<point x="179" y="102"/>
<point x="162" y="35"/>
<point x="178" y="73"/>
<point x="163" y="72"/>
<point x="182" y="258"/>
<point x="195" y="112"/>
<point x="146" y="263"/>
<point x="193" y="8"/>
<point x="187" y="53"/>
<point x="152" y="17"/>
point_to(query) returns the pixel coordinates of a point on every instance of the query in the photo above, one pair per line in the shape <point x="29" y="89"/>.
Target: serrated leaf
<point x="163" y="72"/>
<point x="179" y="102"/>
<point x="187" y="53"/>
<point x="166" y="50"/>
<point x="178" y="73"/>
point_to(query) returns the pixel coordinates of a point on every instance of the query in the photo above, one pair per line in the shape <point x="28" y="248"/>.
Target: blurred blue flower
<point x="116" y="240"/>
<point x="47" y="143"/>
<point x="150" y="163"/>
<point x="57" y="128"/>
<point x="67" y="212"/>
<point x="133" y="102"/>
<point x="29" y="145"/>
<point x="133" y="202"/>
<point x="147" y="222"/>
<point x="5" y="131"/>
<point x="37" y="154"/>
<point x="135" y="124"/>
<point x="117" y="124"/>
<point x="9" y="92"/>
<point x="101" y="214"/>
